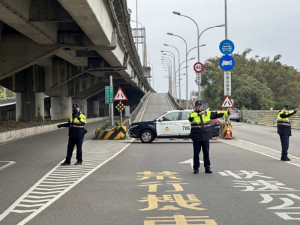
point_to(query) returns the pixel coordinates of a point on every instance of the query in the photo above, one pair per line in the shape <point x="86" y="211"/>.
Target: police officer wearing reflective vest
<point x="201" y="133"/>
<point x="76" y="133"/>
<point x="284" y="129"/>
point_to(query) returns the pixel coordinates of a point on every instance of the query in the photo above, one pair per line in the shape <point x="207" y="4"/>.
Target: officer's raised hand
<point x="202" y="112"/>
<point x="228" y="112"/>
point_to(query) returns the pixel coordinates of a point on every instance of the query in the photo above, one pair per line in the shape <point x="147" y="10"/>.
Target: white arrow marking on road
<point x="190" y="161"/>
<point x="9" y="163"/>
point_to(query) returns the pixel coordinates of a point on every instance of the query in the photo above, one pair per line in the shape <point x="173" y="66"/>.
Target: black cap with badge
<point x="198" y="102"/>
<point x="286" y="106"/>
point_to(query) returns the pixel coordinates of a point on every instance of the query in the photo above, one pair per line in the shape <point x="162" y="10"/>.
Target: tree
<point x="257" y="83"/>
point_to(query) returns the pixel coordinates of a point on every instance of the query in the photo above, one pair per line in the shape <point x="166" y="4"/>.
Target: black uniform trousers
<point x="71" y="144"/>
<point x="197" y="149"/>
<point x="284" y="139"/>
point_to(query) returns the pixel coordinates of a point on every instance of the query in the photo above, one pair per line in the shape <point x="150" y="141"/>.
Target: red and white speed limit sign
<point x="198" y="67"/>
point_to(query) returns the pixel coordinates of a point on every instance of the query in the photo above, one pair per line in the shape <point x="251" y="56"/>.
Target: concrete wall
<point x="21" y="133"/>
<point x="267" y="118"/>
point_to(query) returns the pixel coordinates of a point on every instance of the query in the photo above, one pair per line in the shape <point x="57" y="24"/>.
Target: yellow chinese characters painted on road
<point x="179" y="220"/>
<point x="173" y="200"/>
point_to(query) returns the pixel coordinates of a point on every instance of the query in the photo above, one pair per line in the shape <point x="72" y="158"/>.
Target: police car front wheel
<point x="147" y="136"/>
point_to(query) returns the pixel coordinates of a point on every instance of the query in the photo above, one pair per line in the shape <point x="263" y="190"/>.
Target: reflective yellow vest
<point x="196" y="123"/>
<point x="76" y="122"/>
<point x="284" y="121"/>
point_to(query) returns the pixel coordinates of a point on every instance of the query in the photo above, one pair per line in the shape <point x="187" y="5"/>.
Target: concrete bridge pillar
<point x="30" y="106"/>
<point x="96" y="108"/>
<point x="82" y="102"/>
<point x="61" y="107"/>
<point x="30" y="86"/>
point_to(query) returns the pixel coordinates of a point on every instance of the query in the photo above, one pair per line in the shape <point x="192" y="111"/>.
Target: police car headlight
<point x="133" y="126"/>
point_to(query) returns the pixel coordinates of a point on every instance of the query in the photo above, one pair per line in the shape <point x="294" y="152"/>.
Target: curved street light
<point x="173" y="57"/>
<point x="169" y="62"/>
<point x="174" y="65"/>
<point x="198" y="41"/>
<point x="187" y="78"/>
<point x="179" y="70"/>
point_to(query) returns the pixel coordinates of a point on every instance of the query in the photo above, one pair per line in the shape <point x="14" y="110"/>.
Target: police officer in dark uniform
<point x="284" y="129"/>
<point x="76" y="133"/>
<point x="201" y="133"/>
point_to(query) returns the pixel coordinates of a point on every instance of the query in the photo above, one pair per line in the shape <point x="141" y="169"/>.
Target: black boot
<point x="208" y="171"/>
<point x="65" y="163"/>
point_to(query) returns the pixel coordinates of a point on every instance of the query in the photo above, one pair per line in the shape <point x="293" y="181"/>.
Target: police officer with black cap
<point x="201" y="133"/>
<point x="76" y="133"/>
<point x="284" y="129"/>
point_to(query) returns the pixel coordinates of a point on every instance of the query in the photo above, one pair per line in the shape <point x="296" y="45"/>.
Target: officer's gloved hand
<point x="58" y="126"/>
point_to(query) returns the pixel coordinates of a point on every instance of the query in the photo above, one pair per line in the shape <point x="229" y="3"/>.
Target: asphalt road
<point x="131" y="183"/>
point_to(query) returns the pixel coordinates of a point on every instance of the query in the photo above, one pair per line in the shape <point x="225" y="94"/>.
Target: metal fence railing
<point x="7" y="100"/>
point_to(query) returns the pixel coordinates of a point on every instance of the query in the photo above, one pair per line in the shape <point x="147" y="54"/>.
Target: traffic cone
<point x="228" y="134"/>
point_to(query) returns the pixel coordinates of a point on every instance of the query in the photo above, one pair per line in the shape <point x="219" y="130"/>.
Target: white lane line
<point x="9" y="163"/>
<point x="51" y="195"/>
<point x="266" y="151"/>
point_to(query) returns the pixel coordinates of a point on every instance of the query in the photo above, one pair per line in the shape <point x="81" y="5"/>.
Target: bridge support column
<point x="82" y="102"/>
<point x="61" y="107"/>
<point x="96" y="108"/>
<point x="30" y="106"/>
<point x="29" y="84"/>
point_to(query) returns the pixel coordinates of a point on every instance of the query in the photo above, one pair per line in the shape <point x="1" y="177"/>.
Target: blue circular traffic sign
<point x="227" y="62"/>
<point x="226" y="47"/>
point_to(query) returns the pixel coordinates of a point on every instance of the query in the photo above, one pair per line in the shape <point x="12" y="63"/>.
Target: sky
<point x="268" y="27"/>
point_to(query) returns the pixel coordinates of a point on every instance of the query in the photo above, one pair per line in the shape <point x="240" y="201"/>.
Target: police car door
<point x="167" y="125"/>
<point x="185" y="125"/>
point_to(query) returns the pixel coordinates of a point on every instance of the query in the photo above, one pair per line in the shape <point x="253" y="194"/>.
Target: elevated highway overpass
<point x="67" y="49"/>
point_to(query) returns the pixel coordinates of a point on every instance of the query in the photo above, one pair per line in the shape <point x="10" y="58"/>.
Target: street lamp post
<point x="221" y="25"/>
<point x="169" y="62"/>
<point x="198" y="43"/>
<point x="179" y="70"/>
<point x="186" y="71"/>
<point x="174" y="65"/>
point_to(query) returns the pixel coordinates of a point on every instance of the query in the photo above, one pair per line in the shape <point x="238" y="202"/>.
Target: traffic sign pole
<point x="111" y="105"/>
<point x="198" y="67"/>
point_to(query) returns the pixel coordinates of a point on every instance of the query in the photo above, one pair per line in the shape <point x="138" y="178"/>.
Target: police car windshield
<point x="160" y="116"/>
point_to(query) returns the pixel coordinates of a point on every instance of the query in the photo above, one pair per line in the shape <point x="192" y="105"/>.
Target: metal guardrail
<point x="267" y="118"/>
<point x="7" y="100"/>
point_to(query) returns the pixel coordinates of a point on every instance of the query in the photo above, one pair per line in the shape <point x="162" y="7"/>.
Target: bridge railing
<point x="7" y="100"/>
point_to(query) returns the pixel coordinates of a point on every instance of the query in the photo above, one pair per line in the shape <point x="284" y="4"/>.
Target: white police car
<point x="172" y="124"/>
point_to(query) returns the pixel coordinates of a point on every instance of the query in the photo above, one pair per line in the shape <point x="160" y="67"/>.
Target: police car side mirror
<point x="160" y="120"/>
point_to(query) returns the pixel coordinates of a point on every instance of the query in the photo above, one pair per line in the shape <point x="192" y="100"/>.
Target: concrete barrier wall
<point x="173" y="101"/>
<point x="267" y="118"/>
<point x="21" y="133"/>
<point x="136" y="113"/>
